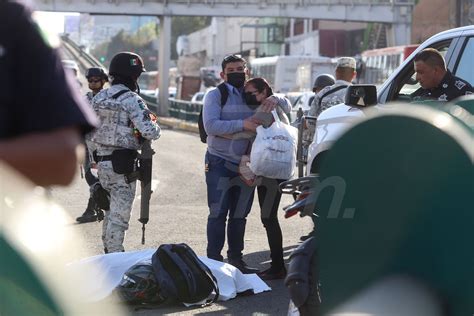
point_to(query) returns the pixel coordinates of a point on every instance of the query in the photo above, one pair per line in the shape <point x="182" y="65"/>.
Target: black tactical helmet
<point x="323" y="80"/>
<point x="126" y="64"/>
<point x="96" y="72"/>
<point x="139" y="286"/>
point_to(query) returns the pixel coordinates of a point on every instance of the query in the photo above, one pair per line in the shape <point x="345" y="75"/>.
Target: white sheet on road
<point x="112" y="267"/>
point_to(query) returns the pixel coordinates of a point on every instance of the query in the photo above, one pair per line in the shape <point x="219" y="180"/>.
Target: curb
<point x="178" y="124"/>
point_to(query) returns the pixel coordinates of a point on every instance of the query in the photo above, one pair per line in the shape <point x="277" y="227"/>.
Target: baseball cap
<point x="348" y="62"/>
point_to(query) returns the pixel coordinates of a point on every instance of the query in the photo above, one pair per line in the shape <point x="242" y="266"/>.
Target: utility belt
<point x="123" y="160"/>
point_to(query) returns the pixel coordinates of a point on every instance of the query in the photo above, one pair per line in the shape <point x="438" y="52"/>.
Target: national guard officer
<point x="335" y="94"/>
<point x="96" y="77"/>
<point x="322" y="81"/>
<point x="125" y="121"/>
<point x="437" y="83"/>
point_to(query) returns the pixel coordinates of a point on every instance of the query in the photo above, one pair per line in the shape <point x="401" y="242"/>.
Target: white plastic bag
<point x="273" y="152"/>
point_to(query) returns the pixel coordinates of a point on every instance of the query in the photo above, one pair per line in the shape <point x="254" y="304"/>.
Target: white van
<point x="457" y="46"/>
<point x="291" y="73"/>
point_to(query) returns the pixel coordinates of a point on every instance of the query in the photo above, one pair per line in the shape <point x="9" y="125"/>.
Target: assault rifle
<point x="145" y="160"/>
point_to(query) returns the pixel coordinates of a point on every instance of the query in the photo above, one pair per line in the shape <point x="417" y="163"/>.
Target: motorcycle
<point x="302" y="278"/>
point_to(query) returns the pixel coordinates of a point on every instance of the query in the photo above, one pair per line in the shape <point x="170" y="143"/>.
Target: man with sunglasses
<point x="229" y="198"/>
<point x="96" y="77"/>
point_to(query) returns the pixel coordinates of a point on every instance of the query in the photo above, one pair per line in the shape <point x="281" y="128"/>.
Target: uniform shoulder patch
<point x="141" y="104"/>
<point x="459" y="84"/>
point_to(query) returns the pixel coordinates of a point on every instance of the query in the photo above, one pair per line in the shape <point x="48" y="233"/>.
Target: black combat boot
<point x="89" y="214"/>
<point x="100" y="214"/>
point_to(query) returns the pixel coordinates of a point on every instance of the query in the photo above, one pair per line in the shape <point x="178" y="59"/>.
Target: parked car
<point x="198" y="97"/>
<point x="457" y="46"/>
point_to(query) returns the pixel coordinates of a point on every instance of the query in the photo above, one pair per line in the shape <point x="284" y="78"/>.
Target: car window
<point x="408" y="82"/>
<point x="464" y="69"/>
<point x="297" y="102"/>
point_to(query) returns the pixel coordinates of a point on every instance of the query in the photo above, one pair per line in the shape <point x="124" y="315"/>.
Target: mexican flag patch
<point x="133" y="62"/>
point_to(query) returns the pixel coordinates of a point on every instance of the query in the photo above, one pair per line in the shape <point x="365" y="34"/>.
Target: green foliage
<point x="141" y="42"/>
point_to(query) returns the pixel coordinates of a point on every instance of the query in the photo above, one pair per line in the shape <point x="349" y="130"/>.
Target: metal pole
<point x="164" y="64"/>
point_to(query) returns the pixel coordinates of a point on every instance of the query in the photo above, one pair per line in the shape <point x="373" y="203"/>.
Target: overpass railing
<point x="184" y="110"/>
<point x="84" y="59"/>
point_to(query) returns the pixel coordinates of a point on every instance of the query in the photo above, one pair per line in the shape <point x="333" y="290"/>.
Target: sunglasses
<point x="94" y="80"/>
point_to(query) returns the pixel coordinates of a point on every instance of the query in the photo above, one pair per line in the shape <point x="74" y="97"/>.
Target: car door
<point x="463" y="64"/>
<point x="404" y="83"/>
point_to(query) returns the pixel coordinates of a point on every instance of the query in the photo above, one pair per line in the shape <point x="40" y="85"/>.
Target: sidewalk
<point x="178" y="124"/>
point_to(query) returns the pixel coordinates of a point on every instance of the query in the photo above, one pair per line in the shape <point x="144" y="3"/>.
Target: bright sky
<point x="51" y="21"/>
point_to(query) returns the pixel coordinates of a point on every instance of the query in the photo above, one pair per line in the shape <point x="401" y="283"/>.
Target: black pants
<point x="269" y="199"/>
<point x="90" y="179"/>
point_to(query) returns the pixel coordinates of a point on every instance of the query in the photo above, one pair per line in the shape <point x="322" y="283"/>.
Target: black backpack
<point x="224" y="95"/>
<point x="182" y="277"/>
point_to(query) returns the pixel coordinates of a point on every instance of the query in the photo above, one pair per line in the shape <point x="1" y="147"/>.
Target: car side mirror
<point x="361" y="95"/>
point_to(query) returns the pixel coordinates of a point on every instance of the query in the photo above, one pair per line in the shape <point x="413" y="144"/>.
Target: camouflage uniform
<point x="89" y="97"/>
<point x="330" y="99"/>
<point x="118" y="118"/>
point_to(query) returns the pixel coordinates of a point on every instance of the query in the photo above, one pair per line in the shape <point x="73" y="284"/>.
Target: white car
<point x="457" y="46"/>
<point x="198" y="97"/>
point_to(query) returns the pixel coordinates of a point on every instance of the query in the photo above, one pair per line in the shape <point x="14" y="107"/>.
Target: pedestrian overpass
<point x="396" y="13"/>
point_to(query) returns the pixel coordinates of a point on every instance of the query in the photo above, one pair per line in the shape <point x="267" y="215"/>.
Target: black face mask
<point x="251" y="100"/>
<point x="236" y="79"/>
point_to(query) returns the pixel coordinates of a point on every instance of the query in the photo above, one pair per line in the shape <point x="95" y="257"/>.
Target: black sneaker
<point x="88" y="216"/>
<point x="242" y="266"/>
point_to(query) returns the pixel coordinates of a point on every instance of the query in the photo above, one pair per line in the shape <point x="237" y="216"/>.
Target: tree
<point x="141" y="42"/>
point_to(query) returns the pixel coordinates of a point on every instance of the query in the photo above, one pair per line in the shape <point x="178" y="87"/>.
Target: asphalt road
<point x="178" y="213"/>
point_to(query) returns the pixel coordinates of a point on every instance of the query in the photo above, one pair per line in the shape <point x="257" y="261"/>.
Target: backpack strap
<point x="224" y="93"/>
<point x="330" y="92"/>
<point x="115" y="96"/>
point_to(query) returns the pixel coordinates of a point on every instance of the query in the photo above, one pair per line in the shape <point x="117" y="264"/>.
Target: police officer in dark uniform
<point x="42" y="120"/>
<point x="437" y="83"/>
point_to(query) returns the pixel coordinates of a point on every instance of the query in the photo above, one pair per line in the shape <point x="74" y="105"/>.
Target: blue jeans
<point x="227" y="197"/>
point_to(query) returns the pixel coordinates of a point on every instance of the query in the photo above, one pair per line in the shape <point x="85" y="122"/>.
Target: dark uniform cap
<point x="323" y="81"/>
<point x="96" y="72"/>
<point x="126" y="64"/>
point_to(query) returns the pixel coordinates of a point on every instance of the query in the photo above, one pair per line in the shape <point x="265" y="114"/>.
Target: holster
<point x="123" y="160"/>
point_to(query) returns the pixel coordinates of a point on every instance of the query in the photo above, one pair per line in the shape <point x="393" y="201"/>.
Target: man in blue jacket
<point x="229" y="198"/>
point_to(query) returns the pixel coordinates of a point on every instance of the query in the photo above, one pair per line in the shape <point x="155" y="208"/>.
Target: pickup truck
<point x="457" y="47"/>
